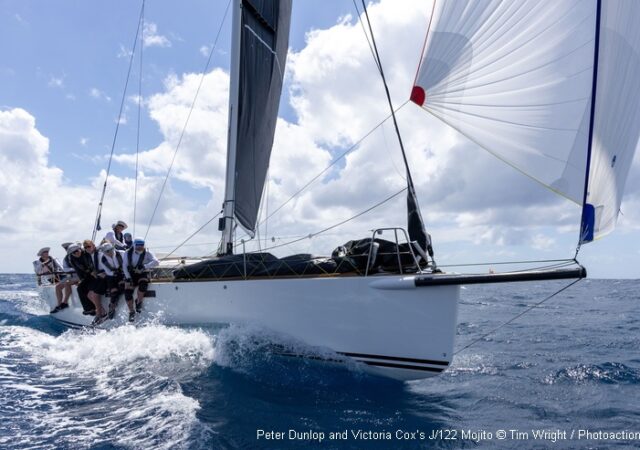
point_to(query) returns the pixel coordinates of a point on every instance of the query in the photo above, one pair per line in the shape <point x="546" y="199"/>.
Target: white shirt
<point x="111" y="237"/>
<point x="113" y="262"/>
<point x="48" y="266"/>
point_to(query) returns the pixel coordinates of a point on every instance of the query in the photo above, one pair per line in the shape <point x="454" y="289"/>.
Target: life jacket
<point x="114" y="270"/>
<point x="96" y="265"/>
<point x="83" y="265"/>
<point x="48" y="264"/>
<point x="140" y="263"/>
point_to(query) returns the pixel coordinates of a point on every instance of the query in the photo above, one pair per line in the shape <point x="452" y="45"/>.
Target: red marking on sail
<point x="418" y="95"/>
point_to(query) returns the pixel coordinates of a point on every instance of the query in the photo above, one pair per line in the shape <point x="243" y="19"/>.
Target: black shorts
<point x="97" y="285"/>
<point x="115" y="282"/>
<point x="136" y="277"/>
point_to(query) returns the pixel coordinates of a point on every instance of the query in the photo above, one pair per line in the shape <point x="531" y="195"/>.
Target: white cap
<point x="106" y="247"/>
<point x="42" y="250"/>
<point x="72" y="248"/>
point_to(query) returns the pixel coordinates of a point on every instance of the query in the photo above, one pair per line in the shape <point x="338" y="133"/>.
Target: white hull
<point x="397" y="329"/>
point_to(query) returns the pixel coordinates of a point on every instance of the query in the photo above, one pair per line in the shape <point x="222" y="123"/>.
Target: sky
<point x="63" y="69"/>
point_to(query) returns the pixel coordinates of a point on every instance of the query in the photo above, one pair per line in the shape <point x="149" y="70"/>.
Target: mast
<point x="587" y="224"/>
<point x="227" y="223"/>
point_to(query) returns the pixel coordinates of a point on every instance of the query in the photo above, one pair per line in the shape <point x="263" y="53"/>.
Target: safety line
<point x="516" y="317"/>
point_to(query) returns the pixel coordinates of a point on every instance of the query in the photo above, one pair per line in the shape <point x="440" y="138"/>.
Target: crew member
<point x="82" y="263"/>
<point x="136" y="272"/>
<point x="69" y="278"/>
<point x="49" y="269"/>
<point x="100" y="286"/>
<point x="115" y="236"/>
<point x="112" y="263"/>
<point x="128" y="240"/>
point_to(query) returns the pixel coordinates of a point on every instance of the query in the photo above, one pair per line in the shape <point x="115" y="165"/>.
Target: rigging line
<point x="135" y="189"/>
<point x="506" y="262"/>
<point x="273" y="239"/>
<point x="546" y="267"/>
<point x="192" y="235"/>
<point x="366" y="36"/>
<point x="184" y="128"/>
<point x="311" y="235"/>
<point x="517" y="316"/>
<point x="96" y="224"/>
<point x="334" y="162"/>
<point x="266" y="220"/>
<point x="386" y="89"/>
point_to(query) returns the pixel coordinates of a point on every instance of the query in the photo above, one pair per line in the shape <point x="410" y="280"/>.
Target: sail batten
<point x="519" y="79"/>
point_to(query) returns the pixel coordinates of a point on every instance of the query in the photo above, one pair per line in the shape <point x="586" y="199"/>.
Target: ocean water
<point x="565" y="375"/>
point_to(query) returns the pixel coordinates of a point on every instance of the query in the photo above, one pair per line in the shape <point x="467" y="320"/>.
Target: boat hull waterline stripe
<point x="403" y="366"/>
<point x="359" y="357"/>
<point x="396" y="358"/>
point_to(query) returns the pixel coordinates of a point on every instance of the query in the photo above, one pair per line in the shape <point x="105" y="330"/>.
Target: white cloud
<point x="57" y="82"/>
<point x="202" y="153"/>
<point x="136" y="100"/>
<point x="123" y="52"/>
<point x="98" y="94"/>
<point x="84" y="141"/>
<point x="151" y="38"/>
<point x="48" y="210"/>
<point x="205" y="50"/>
<point x="43" y="206"/>
<point x="20" y="19"/>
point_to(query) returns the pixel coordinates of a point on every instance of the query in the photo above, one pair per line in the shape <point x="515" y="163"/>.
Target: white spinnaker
<point x="617" y="115"/>
<point x="516" y="77"/>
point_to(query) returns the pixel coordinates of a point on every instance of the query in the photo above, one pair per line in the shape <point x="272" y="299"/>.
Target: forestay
<point x="517" y="77"/>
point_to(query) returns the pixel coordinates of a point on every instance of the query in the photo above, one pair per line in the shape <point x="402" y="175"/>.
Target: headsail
<point x="517" y="77"/>
<point x="261" y="39"/>
<point x="617" y="115"/>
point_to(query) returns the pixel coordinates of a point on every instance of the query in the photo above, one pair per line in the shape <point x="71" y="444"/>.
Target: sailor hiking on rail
<point x="49" y="270"/>
<point x="136" y="271"/>
<point x="111" y="261"/>
<point x="82" y="262"/>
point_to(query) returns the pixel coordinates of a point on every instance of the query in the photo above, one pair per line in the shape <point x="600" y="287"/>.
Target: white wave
<point x="28" y="301"/>
<point x="120" y="387"/>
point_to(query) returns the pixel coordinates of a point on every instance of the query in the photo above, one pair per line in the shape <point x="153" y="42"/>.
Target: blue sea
<point x="565" y="375"/>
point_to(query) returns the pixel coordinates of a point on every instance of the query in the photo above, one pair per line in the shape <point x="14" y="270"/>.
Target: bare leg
<point x="139" y="300"/>
<point x="67" y="292"/>
<point x="95" y="298"/>
<point x="59" y="288"/>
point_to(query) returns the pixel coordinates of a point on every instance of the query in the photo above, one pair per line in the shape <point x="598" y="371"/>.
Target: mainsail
<point x="260" y="42"/>
<point x="519" y="77"/>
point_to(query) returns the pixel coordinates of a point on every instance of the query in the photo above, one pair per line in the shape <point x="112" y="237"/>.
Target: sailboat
<point x="550" y="87"/>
